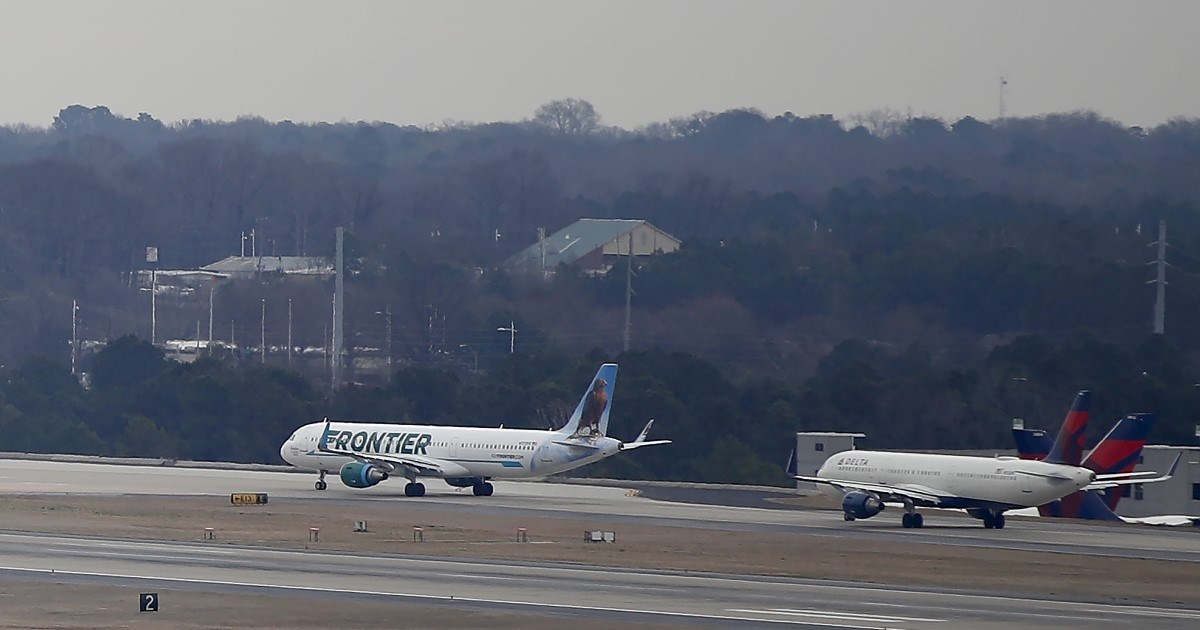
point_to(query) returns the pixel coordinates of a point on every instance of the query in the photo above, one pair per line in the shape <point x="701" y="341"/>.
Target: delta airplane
<point x="366" y="454"/>
<point x="865" y="481"/>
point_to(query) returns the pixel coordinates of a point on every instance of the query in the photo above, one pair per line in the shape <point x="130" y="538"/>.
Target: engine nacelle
<point x="462" y="482"/>
<point x="861" y="504"/>
<point x="360" y="475"/>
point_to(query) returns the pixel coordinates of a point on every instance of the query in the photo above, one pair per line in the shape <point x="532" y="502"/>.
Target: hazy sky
<point x="637" y="61"/>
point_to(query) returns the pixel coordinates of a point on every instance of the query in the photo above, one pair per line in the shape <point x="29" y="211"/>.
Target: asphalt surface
<point x="572" y="590"/>
<point x="663" y="596"/>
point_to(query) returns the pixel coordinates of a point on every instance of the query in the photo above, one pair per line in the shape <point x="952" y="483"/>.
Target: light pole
<point x="512" y="335"/>
<point x="74" y="338"/>
<point x="262" y="340"/>
<point x="473" y="353"/>
<point x="152" y="258"/>
<point x="289" y="332"/>
<point x="387" y="315"/>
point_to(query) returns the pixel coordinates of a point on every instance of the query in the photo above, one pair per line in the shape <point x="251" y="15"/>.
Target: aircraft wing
<point x="423" y="465"/>
<point x="888" y="493"/>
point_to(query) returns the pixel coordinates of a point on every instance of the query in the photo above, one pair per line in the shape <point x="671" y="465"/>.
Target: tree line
<point x="141" y="405"/>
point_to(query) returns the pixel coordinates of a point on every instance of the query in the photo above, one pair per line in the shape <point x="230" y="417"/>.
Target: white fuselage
<point x="1003" y="481"/>
<point x="461" y="451"/>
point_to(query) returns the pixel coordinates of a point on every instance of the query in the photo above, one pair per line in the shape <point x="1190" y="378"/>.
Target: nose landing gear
<point x="321" y="485"/>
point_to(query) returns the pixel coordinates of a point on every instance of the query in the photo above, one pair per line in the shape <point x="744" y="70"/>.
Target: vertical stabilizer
<point x="1068" y="447"/>
<point x="591" y="414"/>
<point x="1120" y="450"/>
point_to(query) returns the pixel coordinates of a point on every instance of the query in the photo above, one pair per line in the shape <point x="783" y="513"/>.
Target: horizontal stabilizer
<point x="1125" y="479"/>
<point x="629" y="446"/>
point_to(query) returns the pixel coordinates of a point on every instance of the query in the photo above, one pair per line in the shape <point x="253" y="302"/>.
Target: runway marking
<point x="467" y="576"/>
<point x="834" y="614"/>
<point x="1153" y="612"/>
<point x="443" y="598"/>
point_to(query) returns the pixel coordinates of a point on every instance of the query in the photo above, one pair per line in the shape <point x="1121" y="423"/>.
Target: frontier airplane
<point x="366" y="454"/>
<point x="985" y="487"/>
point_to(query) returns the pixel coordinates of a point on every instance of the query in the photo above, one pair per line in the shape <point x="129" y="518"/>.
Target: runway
<point x="606" y="593"/>
<point x="611" y="505"/>
<point x="676" y="598"/>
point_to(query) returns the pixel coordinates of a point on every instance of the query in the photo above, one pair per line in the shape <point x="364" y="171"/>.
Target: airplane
<point x="364" y="454"/>
<point x="1117" y="452"/>
<point x="866" y="481"/>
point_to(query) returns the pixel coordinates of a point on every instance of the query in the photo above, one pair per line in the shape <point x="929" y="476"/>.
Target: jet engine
<point x="360" y="475"/>
<point x="861" y="504"/>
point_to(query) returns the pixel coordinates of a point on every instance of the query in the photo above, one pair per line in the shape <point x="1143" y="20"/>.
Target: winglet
<point x="321" y="444"/>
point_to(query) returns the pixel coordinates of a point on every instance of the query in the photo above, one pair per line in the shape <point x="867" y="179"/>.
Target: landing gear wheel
<point x="918" y="521"/>
<point x="998" y="521"/>
<point x="320" y="485"/>
<point x="906" y="520"/>
<point x="414" y="489"/>
<point x="846" y="516"/>
<point x="989" y="521"/>
<point x="482" y="489"/>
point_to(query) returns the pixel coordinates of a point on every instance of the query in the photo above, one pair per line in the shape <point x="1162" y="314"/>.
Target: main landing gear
<point x="911" y="519"/>
<point x="993" y="520"/>
<point x="321" y="485"/>
<point x="482" y="489"/>
<point x="414" y="489"/>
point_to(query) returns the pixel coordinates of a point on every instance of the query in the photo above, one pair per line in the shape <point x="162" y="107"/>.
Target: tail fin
<point x="1120" y="450"/>
<point x="1068" y="447"/>
<point x="591" y="415"/>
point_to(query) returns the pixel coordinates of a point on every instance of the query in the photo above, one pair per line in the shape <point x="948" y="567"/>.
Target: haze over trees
<point x="917" y="279"/>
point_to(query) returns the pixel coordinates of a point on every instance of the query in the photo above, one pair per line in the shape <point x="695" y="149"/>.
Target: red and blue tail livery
<point x="1118" y="452"/>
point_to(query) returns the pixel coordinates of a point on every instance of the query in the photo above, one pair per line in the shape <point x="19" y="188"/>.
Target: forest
<point x="920" y="280"/>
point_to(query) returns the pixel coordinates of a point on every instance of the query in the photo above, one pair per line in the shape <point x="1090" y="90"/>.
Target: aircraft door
<point x="1026" y="483"/>
<point x="454" y="447"/>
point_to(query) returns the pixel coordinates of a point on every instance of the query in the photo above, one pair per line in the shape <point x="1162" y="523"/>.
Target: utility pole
<point x="541" y="243"/>
<point x="74" y="339"/>
<point x="152" y="258"/>
<point x="387" y="313"/>
<point x="289" y="332"/>
<point x="212" y="289"/>
<point x="628" y="293"/>
<point x="339" y="284"/>
<point x="512" y="335"/>
<point x="1160" y="302"/>
<point x="1003" y="87"/>
<point x="262" y="331"/>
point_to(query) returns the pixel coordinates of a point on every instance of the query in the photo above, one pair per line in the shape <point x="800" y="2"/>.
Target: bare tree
<point x="569" y="116"/>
